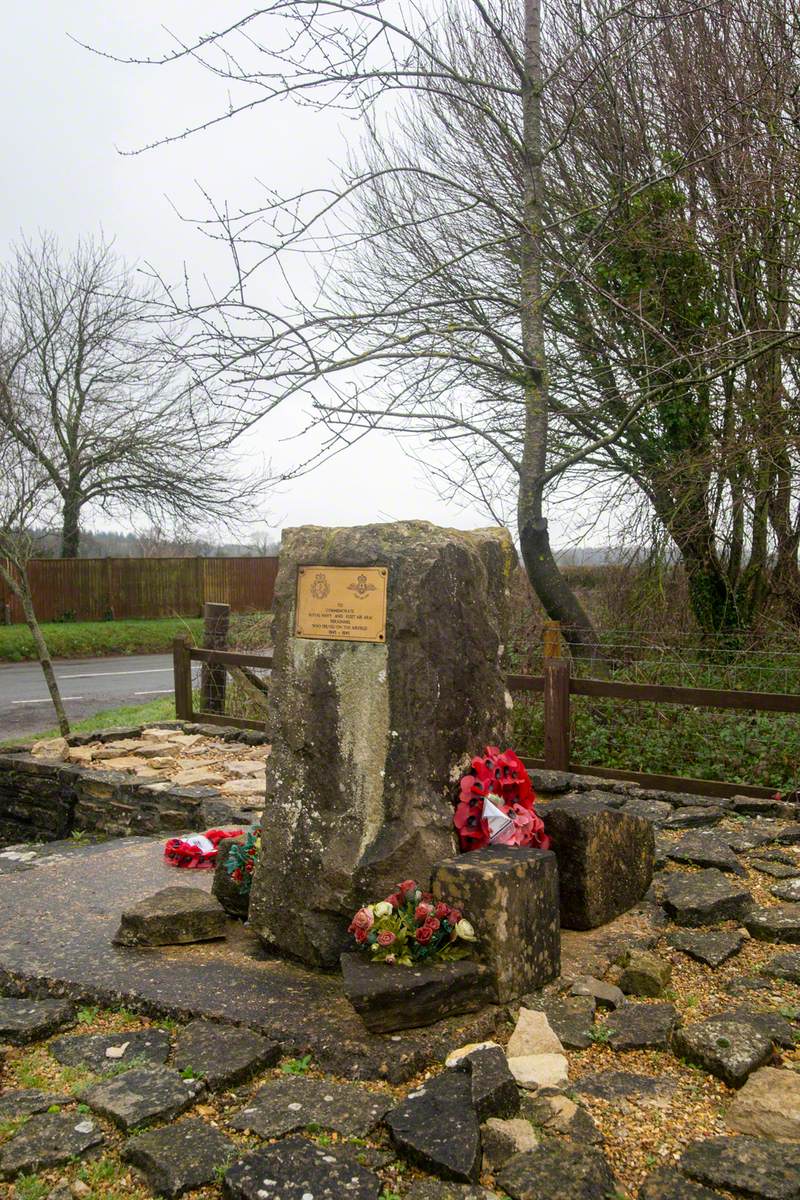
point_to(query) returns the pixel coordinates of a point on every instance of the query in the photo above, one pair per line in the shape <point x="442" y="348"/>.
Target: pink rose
<point x="362" y="920"/>
<point x="360" y="935"/>
<point x="386" y="937"/>
<point x="408" y="885"/>
<point x="394" y="900"/>
<point x="441" y="911"/>
<point x="424" y="935"/>
<point x="422" y="911"/>
<point x="455" y="916"/>
<point x="433" y="924"/>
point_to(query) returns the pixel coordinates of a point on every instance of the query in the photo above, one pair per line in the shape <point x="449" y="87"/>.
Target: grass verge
<point x="131" y="714"/>
<point x="90" y="639"/>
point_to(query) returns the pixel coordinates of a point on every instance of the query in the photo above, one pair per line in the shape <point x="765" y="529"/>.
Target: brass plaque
<point x="343" y="604"/>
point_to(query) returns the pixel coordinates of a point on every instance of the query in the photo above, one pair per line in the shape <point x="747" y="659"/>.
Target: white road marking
<point x="157" y="692"/>
<point x="45" y="700"/>
<point x="103" y="674"/>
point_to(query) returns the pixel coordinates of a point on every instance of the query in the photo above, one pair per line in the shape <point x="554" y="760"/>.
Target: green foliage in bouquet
<point x="241" y="861"/>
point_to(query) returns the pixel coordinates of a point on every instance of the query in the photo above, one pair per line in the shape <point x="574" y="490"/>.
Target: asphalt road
<point x="88" y="685"/>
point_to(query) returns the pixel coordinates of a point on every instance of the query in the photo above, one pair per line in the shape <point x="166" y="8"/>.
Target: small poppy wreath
<point x="241" y="861"/>
<point x="496" y="804"/>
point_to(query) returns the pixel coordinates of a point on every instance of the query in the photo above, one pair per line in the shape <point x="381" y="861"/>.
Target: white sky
<point x="67" y="113"/>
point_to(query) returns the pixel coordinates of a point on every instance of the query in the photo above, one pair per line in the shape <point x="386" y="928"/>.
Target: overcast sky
<point x="69" y="113"/>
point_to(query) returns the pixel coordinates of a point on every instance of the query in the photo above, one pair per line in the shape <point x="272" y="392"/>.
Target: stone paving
<point x="172" y="758"/>
<point x="677" y="1026"/>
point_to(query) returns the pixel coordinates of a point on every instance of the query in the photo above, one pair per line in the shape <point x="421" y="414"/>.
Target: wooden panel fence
<point x="96" y="589"/>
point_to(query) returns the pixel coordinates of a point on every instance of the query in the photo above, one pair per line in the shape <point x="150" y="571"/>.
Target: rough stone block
<point x="494" y="1089"/>
<point x="748" y="1166"/>
<point x="705" y="898"/>
<point x="23" y="1020"/>
<point x="143" y="1096"/>
<point x="294" y="1168"/>
<point x="359" y="786"/>
<point x="223" y="1055"/>
<point x="437" y="1128"/>
<point x="173" y="916"/>
<point x="511" y="895"/>
<point x="768" y="1105"/>
<point x="223" y="887"/>
<point x="284" y="1105"/>
<point x="181" y="1157"/>
<point x="605" y="859"/>
<point x="725" y="1047"/>
<point x="390" y="997"/>
<point x="48" y="1140"/>
<point x="560" y="1169"/>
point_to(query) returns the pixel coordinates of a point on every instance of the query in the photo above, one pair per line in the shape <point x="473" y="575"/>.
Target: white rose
<point x="465" y="931"/>
<point x="383" y="909"/>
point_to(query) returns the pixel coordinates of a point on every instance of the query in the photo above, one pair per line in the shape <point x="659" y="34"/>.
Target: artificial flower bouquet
<point x="241" y="861"/>
<point x="496" y="804"/>
<point x="411" y="927"/>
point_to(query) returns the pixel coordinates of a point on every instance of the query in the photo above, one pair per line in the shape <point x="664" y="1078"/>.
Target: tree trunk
<point x="71" y="529"/>
<point x="682" y="510"/>
<point x="558" y="599"/>
<point x="22" y="590"/>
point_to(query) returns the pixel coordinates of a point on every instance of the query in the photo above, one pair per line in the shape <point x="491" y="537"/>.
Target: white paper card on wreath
<point x="201" y="842"/>
<point x="500" y="824"/>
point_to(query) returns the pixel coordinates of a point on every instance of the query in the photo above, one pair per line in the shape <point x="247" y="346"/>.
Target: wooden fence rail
<point x="97" y="589"/>
<point x="183" y="655"/>
<point x="556" y="685"/>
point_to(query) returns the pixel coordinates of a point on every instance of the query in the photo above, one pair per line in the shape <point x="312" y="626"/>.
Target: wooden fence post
<point x="556" y="714"/>
<point x="551" y="639"/>
<point x="214" y="675"/>
<point x="182" y="671"/>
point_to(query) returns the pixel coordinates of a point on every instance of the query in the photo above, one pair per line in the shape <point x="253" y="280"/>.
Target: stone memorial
<point x="386" y="680"/>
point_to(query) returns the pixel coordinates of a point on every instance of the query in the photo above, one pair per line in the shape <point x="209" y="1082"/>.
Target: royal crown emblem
<point x="320" y="587"/>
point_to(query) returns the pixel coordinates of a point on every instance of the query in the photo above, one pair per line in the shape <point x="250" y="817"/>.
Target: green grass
<point x="133" y="714"/>
<point x="90" y="639"/>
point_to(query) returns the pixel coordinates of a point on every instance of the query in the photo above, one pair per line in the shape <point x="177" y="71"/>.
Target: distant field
<point x="91" y="639"/>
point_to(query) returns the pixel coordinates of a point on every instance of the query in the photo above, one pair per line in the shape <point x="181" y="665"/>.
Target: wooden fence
<point x="211" y="706"/>
<point x="555" y="684"/>
<point x="96" y="589"/>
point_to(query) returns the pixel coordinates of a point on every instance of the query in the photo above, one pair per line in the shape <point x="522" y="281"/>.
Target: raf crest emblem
<point x="361" y="587"/>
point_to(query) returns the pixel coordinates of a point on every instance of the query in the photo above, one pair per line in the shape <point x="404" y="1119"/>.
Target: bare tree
<point x="27" y="500"/>
<point x="95" y="400"/>
<point x="477" y="261"/>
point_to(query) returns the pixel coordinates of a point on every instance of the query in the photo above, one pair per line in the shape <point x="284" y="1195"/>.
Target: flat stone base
<point x="56" y="925"/>
<point x="388" y="998"/>
<point x="510" y="894"/>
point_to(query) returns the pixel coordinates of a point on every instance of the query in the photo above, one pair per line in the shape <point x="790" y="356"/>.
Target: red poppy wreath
<point x="496" y="804"/>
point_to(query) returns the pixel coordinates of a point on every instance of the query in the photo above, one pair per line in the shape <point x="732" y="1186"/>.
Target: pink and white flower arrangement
<point x="410" y="927"/>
